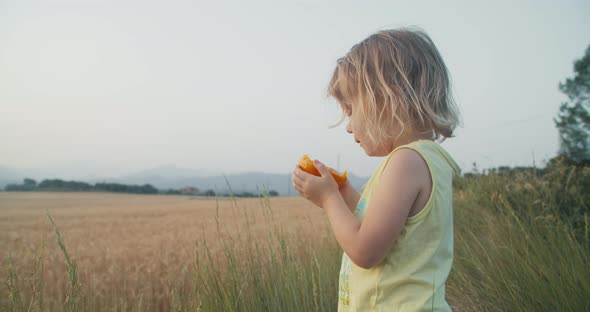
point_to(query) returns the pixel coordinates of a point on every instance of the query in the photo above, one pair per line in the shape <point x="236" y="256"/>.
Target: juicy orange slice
<point x="306" y="164"/>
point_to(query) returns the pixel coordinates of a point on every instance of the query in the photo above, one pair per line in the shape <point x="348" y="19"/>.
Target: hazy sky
<point x="111" y="87"/>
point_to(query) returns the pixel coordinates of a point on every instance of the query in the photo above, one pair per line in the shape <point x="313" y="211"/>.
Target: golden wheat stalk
<point x="71" y="270"/>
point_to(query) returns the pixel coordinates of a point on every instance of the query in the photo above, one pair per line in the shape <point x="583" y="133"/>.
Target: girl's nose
<point x="348" y="128"/>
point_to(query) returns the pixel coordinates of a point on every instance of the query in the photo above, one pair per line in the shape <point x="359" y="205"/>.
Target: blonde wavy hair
<point x="396" y="77"/>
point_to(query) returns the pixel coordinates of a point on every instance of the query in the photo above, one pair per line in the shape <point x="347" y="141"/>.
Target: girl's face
<point x="356" y="127"/>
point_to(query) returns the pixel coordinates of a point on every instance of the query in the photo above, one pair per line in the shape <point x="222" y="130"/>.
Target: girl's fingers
<point x="297" y="180"/>
<point x="302" y="174"/>
<point x="295" y="183"/>
<point x="298" y="189"/>
<point x="300" y="177"/>
<point x="298" y="172"/>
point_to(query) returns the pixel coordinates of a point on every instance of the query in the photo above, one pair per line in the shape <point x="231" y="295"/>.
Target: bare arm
<point x="350" y="195"/>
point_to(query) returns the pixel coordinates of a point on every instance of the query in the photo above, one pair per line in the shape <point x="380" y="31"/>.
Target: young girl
<point x="397" y="236"/>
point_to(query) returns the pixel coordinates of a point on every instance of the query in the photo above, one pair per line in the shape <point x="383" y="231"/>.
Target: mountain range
<point x="173" y="177"/>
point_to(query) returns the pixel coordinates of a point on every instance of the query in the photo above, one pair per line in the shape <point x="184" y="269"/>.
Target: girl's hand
<point x="313" y="188"/>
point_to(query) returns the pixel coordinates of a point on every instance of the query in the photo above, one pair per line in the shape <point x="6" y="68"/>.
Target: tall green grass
<point x="280" y="273"/>
<point x="521" y="244"/>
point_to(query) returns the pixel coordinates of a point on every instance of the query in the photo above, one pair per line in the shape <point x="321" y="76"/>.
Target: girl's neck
<point x="413" y="138"/>
<point x="403" y="140"/>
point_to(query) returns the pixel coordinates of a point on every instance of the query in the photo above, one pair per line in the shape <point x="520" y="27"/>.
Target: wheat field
<point x="132" y="247"/>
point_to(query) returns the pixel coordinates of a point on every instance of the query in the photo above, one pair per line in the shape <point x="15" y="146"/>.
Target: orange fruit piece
<point x="306" y="164"/>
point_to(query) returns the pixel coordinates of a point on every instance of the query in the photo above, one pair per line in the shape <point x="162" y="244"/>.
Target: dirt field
<point x="137" y="242"/>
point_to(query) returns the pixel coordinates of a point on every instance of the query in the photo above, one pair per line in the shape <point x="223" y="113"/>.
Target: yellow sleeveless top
<point x="412" y="276"/>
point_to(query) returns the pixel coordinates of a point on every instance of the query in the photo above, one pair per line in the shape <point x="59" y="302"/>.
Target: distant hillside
<point x="243" y="182"/>
<point x="14" y="175"/>
<point x="171" y="177"/>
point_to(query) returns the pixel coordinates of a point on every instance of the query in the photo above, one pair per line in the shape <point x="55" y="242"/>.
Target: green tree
<point x="30" y="182"/>
<point x="573" y="119"/>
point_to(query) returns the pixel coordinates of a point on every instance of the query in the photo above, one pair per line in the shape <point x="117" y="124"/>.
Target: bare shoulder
<point x="409" y="167"/>
<point x="404" y="178"/>
<point x="408" y="162"/>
